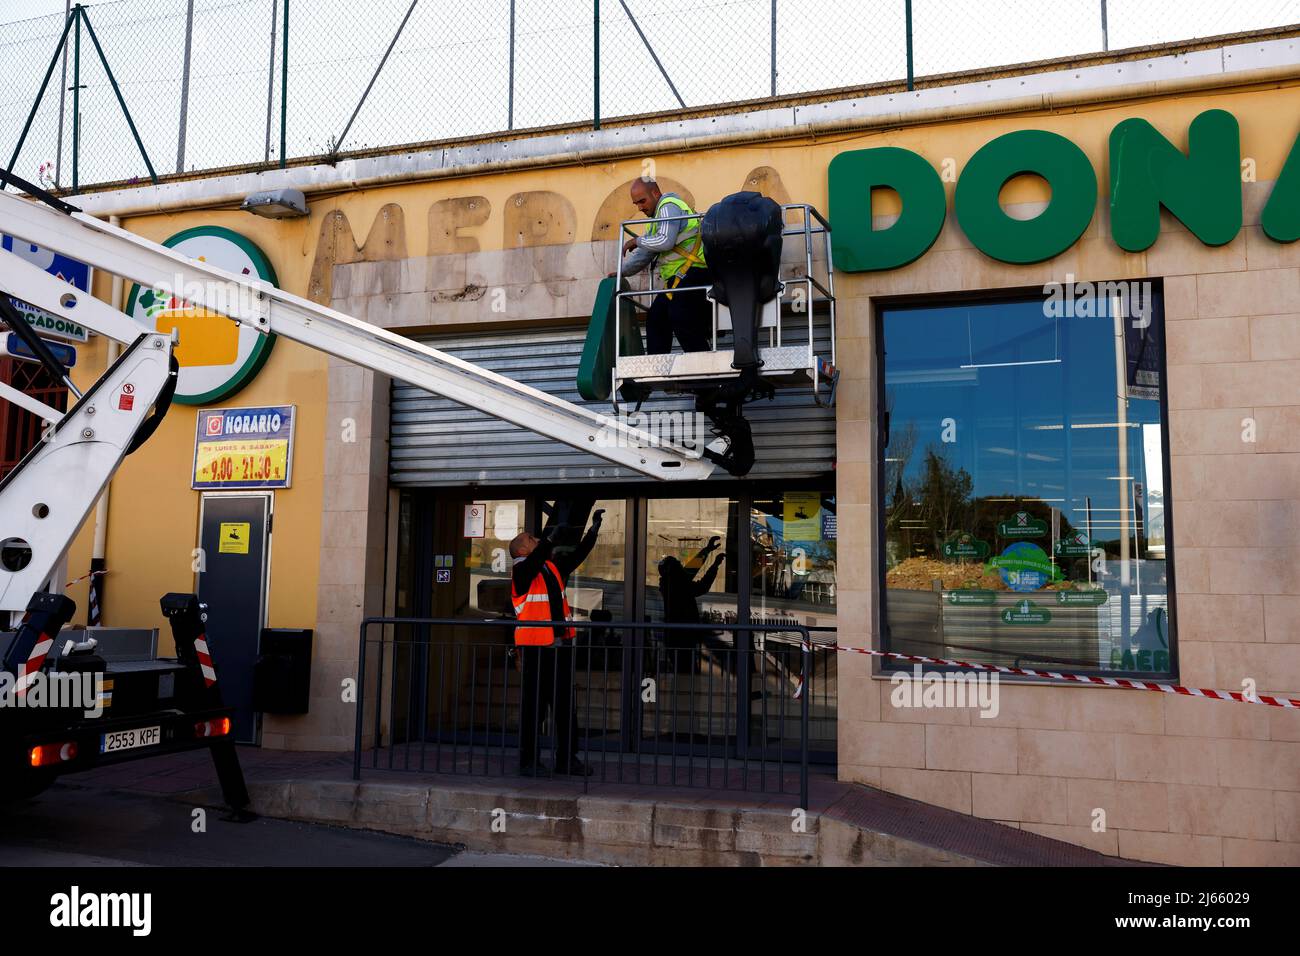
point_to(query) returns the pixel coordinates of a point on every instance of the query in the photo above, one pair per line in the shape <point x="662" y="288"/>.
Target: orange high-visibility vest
<point x="535" y="605"/>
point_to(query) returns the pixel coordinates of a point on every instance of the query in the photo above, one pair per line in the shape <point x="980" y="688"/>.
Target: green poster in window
<point x="1022" y="525"/>
<point x="971" y="597"/>
<point x="965" y="547"/>
<point x="802" y="516"/>
<point x="1024" y="566"/>
<point x="1075" y="545"/>
<point x="1026" y="612"/>
<point x="1091" y="598"/>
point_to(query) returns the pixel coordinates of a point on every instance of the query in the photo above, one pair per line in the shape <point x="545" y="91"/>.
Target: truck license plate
<point x="130" y="739"/>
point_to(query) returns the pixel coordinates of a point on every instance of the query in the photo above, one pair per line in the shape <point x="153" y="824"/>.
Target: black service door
<point x="232" y="583"/>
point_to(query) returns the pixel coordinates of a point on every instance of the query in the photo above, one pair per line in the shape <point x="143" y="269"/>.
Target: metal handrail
<point x="804" y="228"/>
<point x="629" y="293"/>
<point x="806" y="648"/>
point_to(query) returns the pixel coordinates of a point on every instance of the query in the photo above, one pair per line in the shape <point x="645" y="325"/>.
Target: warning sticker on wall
<point x="505" y="520"/>
<point x="476" y="519"/>
<point x="234" y="537"/>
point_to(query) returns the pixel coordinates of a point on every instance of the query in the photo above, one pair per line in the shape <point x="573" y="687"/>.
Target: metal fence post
<point x="361" y="706"/>
<point x="284" y="84"/>
<point x="63" y="95"/>
<point x="338" y="145"/>
<point x="907" y="12"/>
<point x="510" y="102"/>
<point x="270" y="84"/>
<point x="121" y="100"/>
<point x="40" y="94"/>
<point x="595" y="122"/>
<point x="76" y="101"/>
<point x="1105" y="32"/>
<point x="804" y="713"/>
<point x="773" y="47"/>
<point x="185" y="86"/>
<point x="653" y="55"/>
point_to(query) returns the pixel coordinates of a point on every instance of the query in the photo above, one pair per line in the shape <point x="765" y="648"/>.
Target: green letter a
<point x="1281" y="216"/>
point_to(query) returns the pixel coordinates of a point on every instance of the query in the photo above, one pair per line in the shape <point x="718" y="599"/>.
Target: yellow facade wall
<point x="154" y="514"/>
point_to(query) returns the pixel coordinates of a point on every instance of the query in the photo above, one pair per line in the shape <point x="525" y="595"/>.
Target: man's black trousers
<point x="688" y="315"/>
<point x="548" y="683"/>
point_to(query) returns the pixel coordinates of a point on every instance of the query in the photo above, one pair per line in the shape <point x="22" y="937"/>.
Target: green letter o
<point x="1050" y="155"/>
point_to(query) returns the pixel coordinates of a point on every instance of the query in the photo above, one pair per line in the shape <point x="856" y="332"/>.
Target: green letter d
<point x="855" y="245"/>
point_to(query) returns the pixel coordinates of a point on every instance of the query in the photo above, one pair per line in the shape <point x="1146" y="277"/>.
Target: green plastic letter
<point x="855" y="245"/>
<point x="1051" y="232"/>
<point x="1281" y="216"/>
<point x="1202" y="188"/>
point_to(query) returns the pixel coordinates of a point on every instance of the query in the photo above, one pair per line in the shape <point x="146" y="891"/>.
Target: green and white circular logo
<point x="216" y="356"/>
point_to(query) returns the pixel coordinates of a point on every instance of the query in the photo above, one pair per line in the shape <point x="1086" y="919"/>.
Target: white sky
<point x="448" y="75"/>
<point x="11" y="10"/>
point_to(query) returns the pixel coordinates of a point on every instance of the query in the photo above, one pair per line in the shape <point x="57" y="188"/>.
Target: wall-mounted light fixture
<point x="277" y="204"/>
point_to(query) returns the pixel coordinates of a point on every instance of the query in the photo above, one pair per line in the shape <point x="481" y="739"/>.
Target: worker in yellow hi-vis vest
<point x="676" y="248"/>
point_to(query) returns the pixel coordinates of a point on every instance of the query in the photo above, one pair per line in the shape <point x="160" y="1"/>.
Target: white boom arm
<point x="255" y="303"/>
<point x="44" y="501"/>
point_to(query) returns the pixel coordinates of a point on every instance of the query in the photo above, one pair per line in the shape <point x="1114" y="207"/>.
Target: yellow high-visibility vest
<point x="689" y="251"/>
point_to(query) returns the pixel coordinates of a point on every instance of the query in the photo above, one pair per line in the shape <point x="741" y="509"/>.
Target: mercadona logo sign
<point x="1200" y="187"/>
<point x="216" y="356"/>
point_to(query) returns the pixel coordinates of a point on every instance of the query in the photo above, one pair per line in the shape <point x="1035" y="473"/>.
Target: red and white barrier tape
<point x="1121" y="682"/>
<point x="84" y="576"/>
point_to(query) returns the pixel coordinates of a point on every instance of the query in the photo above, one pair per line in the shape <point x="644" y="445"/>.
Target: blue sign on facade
<point x="18" y="349"/>
<point x="70" y="270"/>
<point x="244" y="447"/>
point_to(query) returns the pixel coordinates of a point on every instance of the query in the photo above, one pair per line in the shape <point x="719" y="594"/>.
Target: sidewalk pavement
<point x="925" y="833"/>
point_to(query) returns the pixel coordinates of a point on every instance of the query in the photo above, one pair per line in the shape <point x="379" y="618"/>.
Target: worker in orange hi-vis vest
<point x="537" y="585"/>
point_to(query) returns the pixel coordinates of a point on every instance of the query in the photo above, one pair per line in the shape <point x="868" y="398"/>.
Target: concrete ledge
<point x="630" y="832"/>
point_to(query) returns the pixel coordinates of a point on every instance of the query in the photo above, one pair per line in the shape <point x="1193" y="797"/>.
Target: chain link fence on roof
<point x="213" y="83"/>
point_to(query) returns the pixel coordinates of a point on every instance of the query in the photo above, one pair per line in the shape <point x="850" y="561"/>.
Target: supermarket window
<point x="793" y="551"/>
<point x="1023" y="479"/>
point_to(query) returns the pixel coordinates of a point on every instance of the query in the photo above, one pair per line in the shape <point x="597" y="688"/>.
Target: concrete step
<point x="553" y="819"/>
<point x="651" y="821"/>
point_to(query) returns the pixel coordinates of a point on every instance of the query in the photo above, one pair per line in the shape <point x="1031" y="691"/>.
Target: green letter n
<point x="1202" y="188"/>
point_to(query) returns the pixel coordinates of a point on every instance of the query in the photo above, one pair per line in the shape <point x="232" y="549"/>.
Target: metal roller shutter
<point x="438" y="442"/>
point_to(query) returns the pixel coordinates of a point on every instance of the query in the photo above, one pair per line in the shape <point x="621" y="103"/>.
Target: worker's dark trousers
<point x="548" y="682"/>
<point x="688" y="315"/>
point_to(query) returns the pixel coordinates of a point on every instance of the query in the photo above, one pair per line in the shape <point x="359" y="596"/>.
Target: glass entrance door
<point x="793" y="581"/>
<point x="597" y="591"/>
<point x="689" y="677"/>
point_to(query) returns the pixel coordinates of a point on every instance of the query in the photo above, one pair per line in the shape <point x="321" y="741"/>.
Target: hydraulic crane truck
<point x="176" y="704"/>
